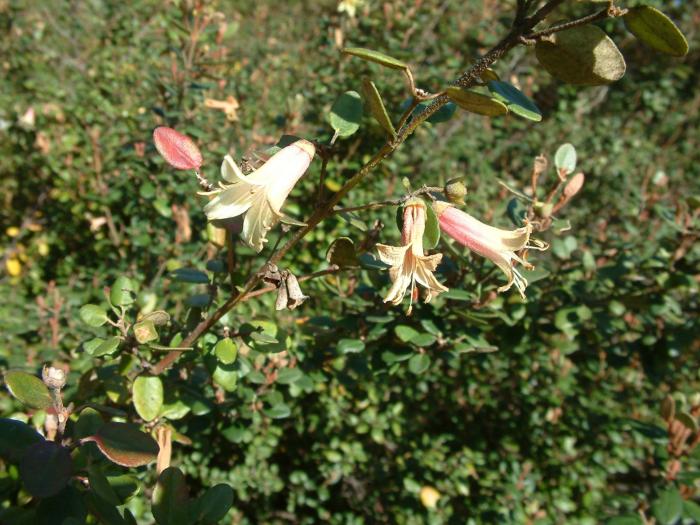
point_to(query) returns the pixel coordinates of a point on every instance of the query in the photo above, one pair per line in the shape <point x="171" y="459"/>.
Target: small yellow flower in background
<point x="261" y="194"/>
<point x="13" y="267"/>
<point x="408" y="262"/>
<point x="500" y="246"/>
<point x="429" y="497"/>
<point x="350" y="6"/>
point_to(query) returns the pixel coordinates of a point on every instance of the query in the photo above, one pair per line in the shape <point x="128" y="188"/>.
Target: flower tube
<point x="500" y="246"/>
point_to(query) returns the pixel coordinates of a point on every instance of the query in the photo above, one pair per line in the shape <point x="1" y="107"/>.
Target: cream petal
<point x="427" y="279"/>
<point x="258" y="221"/>
<point x="391" y="255"/>
<point x="402" y="277"/>
<point x="231" y="202"/>
<point x="230" y="172"/>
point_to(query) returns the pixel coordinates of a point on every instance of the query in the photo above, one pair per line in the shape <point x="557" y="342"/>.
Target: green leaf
<point x="65" y="508"/>
<point x="122" y="292"/>
<point x="105" y="512"/>
<point x="125" y="486"/>
<point x="583" y="56"/>
<point x="45" y="468"/>
<point x="375" y="56"/>
<point x="431" y="235"/>
<point x="376" y="106"/>
<point x="226" y="376"/>
<point x="565" y="158"/>
<point x="346" y="114"/>
<point x="125" y="445"/>
<point x="287" y="376"/>
<point x="419" y="363"/>
<point x="145" y="331"/>
<point x="98" y="347"/>
<point x="656" y="30"/>
<point x="15" y="437"/>
<point x="691" y="510"/>
<point x="627" y="519"/>
<point x="515" y="100"/>
<point x="278" y="411"/>
<point x="28" y="388"/>
<point x="405" y="333"/>
<point x="668" y="506"/>
<point x="688" y="421"/>
<point x="190" y="275"/>
<point x="350" y="346"/>
<point x="341" y="252"/>
<point x="423" y="340"/>
<point x="213" y="505"/>
<point x="148" y="396"/>
<point x="476" y="102"/>
<point x="170" y="499"/>
<point x="99" y="484"/>
<point x="226" y="351"/>
<point x="93" y="315"/>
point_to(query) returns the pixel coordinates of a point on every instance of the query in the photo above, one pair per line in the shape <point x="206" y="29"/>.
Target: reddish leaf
<point x="177" y="149"/>
<point x="125" y="444"/>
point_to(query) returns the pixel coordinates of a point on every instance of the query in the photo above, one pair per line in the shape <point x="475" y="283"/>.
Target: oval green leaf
<point x="190" y="275"/>
<point x="376" y="106"/>
<point x="346" y="114"/>
<point x="15" y="437"/>
<point x="656" y="30"/>
<point x="45" y="468"/>
<point x="125" y="445"/>
<point x="515" y="100"/>
<point x="29" y="389"/>
<point x="226" y="376"/>
<point x="148" y="396"/>
<point x="350" y="346"/>
<point x="93" y="315"/>
<point x="565" y="158"/>
<point x="100" y="485"/>
<point x="122" y="292"/>
<point x="170" y="499"/>
<point x="375" y="56"/>
<point x="431" y="235"/>
<point x="213" y="505"/>
<point x="583" y="56"/>
<point x="226" y="351"/>
<point x="667" y="508"/>
<point x="476" y="102"/>
<point x="419" y="363"/>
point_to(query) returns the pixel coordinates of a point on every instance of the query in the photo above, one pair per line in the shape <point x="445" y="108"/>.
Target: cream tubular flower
<point x="261" y="194"/>
<point x="500" y="246"/>
<point x="408" y="262"/>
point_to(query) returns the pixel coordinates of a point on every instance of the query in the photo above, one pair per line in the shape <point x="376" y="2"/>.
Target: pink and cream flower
<point x="500" y="246"/>
<point x="261" y="194"/>
<point x="408" y="262"/>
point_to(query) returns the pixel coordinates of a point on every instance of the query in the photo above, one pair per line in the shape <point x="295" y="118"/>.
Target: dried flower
<point x="408" y="262"/>
<point x="177" y="149"/>
<point x="500" y="246"/>
<point x="261" y="194"/>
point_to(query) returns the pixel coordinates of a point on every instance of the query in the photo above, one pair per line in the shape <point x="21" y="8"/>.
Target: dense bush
<point x="571" y="406"/>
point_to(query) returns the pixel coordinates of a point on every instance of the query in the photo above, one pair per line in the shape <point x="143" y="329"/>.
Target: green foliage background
<point x="559" y="425"/>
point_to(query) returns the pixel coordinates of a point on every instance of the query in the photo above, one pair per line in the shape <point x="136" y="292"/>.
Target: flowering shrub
<point x="262" y="363"/>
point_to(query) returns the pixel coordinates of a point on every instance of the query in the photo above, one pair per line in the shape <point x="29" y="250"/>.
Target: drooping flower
<point x="261" y="194"/>
<point x="500" y="246"/>
<point x="408" y="262"/>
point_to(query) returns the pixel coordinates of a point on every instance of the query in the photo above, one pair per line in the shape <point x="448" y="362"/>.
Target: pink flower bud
<point x="177" y="149"/>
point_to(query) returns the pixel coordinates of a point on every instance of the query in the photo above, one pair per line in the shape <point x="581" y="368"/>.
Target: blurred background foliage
<point x="537" y="411"/>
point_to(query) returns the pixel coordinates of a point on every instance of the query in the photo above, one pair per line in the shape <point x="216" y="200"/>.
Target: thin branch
<point x="608" y="12"/>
